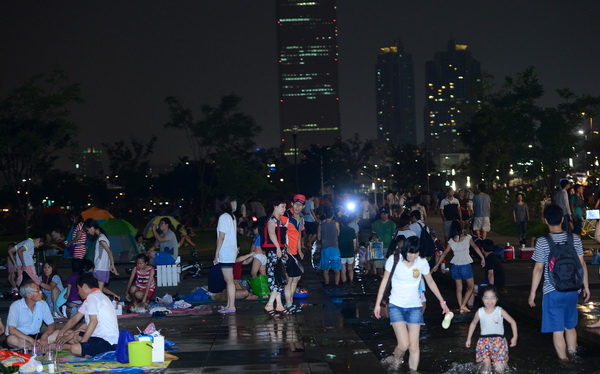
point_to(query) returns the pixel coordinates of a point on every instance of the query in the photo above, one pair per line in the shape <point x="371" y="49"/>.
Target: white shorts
<point x="260" y="257"/>
<point x="348" y="260"/>
<point x="482" y="223"/>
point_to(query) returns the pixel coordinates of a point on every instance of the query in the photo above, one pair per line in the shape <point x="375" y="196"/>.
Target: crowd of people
<point x="393" y="243"/>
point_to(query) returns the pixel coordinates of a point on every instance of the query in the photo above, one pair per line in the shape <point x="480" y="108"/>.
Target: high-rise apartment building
<point x="92" y="164"/>
<point x="453" y="93"/>
<point x="308" y="73"/>
<point x="395" y="95"/>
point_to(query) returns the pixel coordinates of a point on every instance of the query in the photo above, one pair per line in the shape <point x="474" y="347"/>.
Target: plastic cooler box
<point x="526" y="253"/>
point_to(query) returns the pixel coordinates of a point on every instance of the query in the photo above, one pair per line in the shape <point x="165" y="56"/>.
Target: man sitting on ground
<point x="100" y="333"/>
<point x="25" y="318"/>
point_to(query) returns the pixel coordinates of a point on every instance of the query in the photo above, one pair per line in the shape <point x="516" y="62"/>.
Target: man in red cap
<point x="295" y="224"/>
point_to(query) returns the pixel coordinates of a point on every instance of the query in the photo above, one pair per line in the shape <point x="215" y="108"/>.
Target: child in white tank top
<point x="492" y="345"/>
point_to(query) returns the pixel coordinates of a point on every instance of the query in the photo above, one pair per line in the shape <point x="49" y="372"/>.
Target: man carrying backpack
<point x="559" y="257"/>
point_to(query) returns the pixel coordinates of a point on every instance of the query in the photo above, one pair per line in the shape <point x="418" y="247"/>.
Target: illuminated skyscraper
<point x="395" y="94"/>
<point x="308" y="72"/>
<point x="92" y="164"/>
<point x="453" y="93"/>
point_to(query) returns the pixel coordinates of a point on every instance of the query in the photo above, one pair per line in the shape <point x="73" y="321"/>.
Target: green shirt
<point x="384" y="231"/>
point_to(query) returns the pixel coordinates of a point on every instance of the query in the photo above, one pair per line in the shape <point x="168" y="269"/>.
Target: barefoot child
<point x="492" y="345"/>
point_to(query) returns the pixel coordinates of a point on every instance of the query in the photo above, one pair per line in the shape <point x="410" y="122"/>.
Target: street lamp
<point x="295" y="136"/>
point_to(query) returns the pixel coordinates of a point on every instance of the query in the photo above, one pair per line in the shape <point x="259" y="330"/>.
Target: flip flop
<point x="447" y="320"/>
<point x="226" y="311"/>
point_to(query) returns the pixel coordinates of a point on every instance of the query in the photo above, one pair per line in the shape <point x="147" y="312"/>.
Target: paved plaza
<point x="336" y="332"/>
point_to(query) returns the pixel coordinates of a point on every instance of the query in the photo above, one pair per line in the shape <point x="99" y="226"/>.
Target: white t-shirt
<point x="417" y="229"/>
<point x="99" y="305"/>
<point x="406" y="281"/>
<point x="229" y="250"/>
<point x="101" y="260"/>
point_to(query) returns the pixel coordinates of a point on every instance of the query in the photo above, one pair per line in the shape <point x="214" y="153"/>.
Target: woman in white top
<point x="405" y="308"/>
<point x="227" y="248"/>
<point x="460" y="244"/>
<point x="104" y="262"/>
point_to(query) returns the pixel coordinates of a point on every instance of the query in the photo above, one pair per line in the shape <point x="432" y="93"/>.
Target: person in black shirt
<point x="494" y="271"/>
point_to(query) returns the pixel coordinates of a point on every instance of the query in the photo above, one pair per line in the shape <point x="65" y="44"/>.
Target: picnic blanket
<point x="107" y="363"/>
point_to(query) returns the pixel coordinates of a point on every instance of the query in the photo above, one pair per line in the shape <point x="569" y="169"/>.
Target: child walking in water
<point x="492" y="345"/>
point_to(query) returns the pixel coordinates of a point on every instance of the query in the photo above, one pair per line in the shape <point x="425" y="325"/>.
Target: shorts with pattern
<point x="492" y="348"/>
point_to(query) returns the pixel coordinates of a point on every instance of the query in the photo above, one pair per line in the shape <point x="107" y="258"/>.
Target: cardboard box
<point x="158" y="349"/>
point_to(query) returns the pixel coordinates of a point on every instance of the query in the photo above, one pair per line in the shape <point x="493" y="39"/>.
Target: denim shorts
<point x="559" y="311"/>
<point x="410" y="316"/>
<point x="462" y="271"/>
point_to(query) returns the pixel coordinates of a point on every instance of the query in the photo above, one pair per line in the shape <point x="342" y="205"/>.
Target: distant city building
<point x="92" y="164"/>
<point x="395" y="95"/>
<point x="308" y="73"/>
<point x="453" y="93"/>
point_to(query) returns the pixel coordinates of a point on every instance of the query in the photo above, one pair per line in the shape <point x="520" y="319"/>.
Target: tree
<point x="34" y="128"/>
<point x="129" y="167"/>
<point x="223" y="129"/>
<point x="409" y="166"/>
<point x="500" y="130"/>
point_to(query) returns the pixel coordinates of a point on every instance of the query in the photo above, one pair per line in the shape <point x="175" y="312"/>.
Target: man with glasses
<point x="26" y="316"/>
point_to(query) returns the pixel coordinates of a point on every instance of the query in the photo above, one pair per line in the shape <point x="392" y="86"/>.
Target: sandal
<point x="271" y="313"/>
<point x="285" y="312"/>
<point x="293" y="309"/>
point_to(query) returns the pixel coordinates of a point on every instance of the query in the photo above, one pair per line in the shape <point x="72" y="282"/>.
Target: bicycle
<point x="193" y="269"/>
<point x="588" y="228"/>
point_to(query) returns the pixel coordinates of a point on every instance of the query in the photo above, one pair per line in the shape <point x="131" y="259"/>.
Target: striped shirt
<point x="542" y="250"/>
<point x="142" y="278"/>
<point x="80" y="247"/>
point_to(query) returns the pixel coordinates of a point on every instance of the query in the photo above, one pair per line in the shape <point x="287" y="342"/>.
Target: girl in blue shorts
<point x="406" y="271"/>
<point x="461" y="263"/>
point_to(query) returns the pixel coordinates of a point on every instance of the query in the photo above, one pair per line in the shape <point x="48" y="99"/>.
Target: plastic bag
<point x="32" y="366"/>
<point x="260" y="286"/>
<point x="121" y="352"/>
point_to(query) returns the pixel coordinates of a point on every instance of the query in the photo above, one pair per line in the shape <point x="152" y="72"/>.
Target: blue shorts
<point x="559" y="311"/>
<point x="462" y="271"/>
<point x="410" y="316"/>
<point x="330" y="259"/>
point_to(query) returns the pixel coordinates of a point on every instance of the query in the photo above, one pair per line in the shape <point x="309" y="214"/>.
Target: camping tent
<point x="153" y="222"/>
<point x="97" y="214"/>
<point x="121" y="235"/>
<point x="54" y="218"/>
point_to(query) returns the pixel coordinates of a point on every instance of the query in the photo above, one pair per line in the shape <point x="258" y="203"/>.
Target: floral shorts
<point x="492" y="348"/>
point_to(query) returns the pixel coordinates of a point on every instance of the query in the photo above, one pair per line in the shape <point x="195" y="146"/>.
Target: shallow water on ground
<point x="444" y="351"/>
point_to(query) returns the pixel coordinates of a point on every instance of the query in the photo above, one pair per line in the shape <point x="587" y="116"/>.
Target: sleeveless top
<point x="491" y="324"/>
<point x="142" y="278"/>
<point x="461" y="251"/>
<point x="280" y="232"/>
<point x="329" y="235"/>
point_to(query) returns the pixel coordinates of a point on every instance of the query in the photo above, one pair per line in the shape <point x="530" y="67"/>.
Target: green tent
<point x="121" y="235"/>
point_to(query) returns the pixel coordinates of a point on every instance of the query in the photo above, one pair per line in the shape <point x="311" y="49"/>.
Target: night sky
<point x="129" y="55"/>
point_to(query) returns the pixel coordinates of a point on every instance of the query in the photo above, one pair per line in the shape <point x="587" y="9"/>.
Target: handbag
<point x="385" y="301"/>
<point x="280" y="273"/>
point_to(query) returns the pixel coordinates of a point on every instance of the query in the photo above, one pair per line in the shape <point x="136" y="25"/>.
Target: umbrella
<point x="97" y="214"/>
<point x="153" y="222"/>
<point x="117" y="226"/>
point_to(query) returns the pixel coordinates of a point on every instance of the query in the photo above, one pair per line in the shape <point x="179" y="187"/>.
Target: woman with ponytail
<point x="104" y="262"/>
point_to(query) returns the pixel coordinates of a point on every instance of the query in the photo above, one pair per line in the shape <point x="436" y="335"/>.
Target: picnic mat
<point x="107" y="364"/>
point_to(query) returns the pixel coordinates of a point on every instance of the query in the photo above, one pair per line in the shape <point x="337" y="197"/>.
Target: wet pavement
<point x="337" y="333"/>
